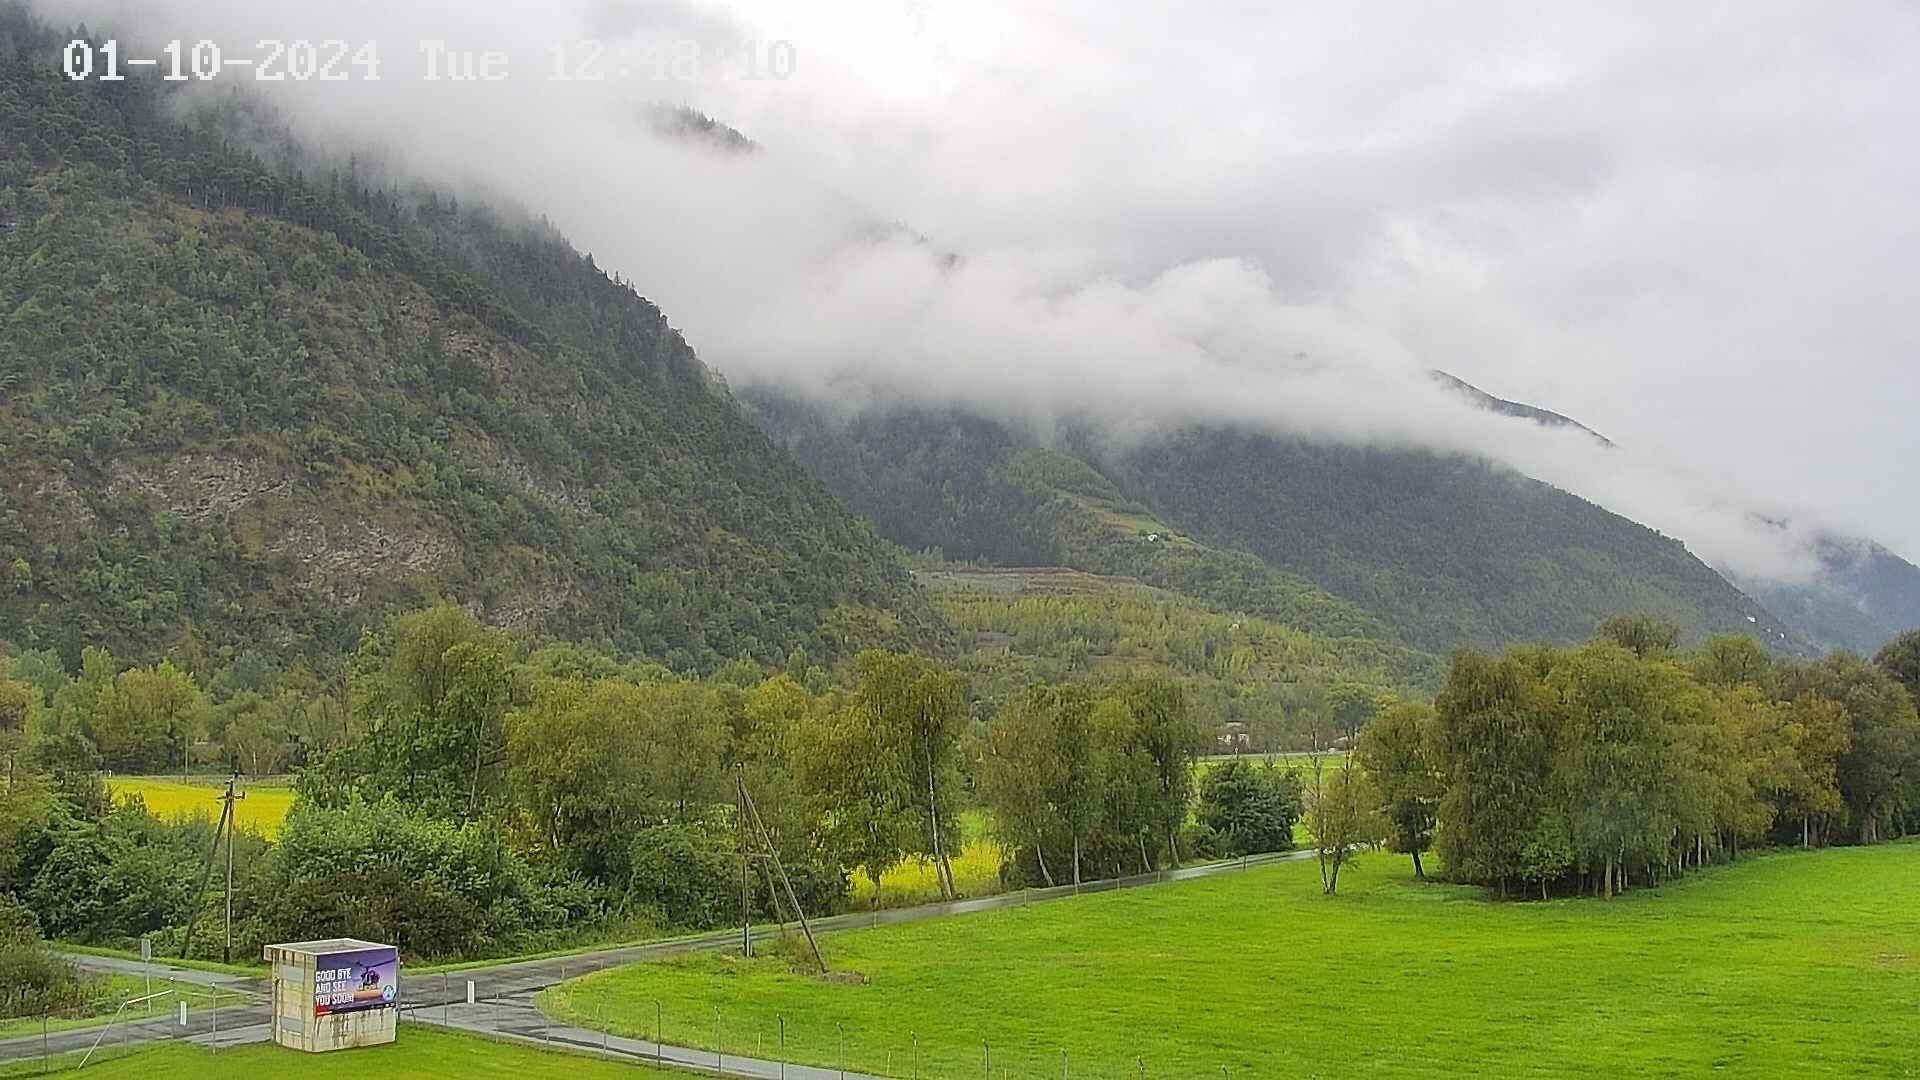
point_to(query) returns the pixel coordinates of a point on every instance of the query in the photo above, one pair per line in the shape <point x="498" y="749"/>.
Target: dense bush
<point x="1250" y="808"/>
<point x="384" y="872"/>
<point x="685" y="875"/>
<point x="112" y="880"/>
<point x="32" y="979"/>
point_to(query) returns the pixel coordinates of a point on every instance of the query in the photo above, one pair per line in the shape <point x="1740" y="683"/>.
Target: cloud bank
<point x="1692" y="230"/>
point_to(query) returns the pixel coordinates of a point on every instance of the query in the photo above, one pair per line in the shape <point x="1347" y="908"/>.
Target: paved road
<point x="238" y="1020"/>
<point x="163" y="973"/>
<point x="504" y="991"/>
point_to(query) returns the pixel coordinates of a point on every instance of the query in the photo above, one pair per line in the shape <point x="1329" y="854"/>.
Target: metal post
<point x="1063" y="1065"/>
<point x="916" y="1055"/>
<point x="783" y="1048"/>
<point x="987" y="1058"/>
<point x="843" y="1049"/>
<point x="216" y="1019"/>
<point x="719" y="1062"/>
<point x="659" y="1032"/>
<point x="446" y="1000"/>
<point x="226" y="950"/>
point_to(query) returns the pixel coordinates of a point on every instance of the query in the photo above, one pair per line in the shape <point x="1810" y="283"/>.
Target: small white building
<point x="334" y="994"/>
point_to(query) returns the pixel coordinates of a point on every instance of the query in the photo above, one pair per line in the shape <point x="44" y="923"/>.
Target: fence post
<point x="916" y="1055"/>
<point x="46" y="1055"/>
<point x="216" y="1019"/>
<point x="987" y="1057"/>
<point x="842" y="1029"/>
<point x="719" y="1059"/>
<point x="659" y="1033"/>
<point x="783" y="1048"/>
<point x="446" y="1000"/>
<point x="1063" y="1065"/>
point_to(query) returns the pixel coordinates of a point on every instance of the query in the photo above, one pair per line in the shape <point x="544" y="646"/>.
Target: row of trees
<point x="565" y="790"/>
<point x="1624" y="762"/>
<point x="248" y="714"/>
<point x="487" y="798"/>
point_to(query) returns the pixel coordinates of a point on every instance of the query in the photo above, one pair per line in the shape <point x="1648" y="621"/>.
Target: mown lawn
<point x="263" y="810"/>
<point x="1792" y="964"/>
<point x="419" y="1052"/>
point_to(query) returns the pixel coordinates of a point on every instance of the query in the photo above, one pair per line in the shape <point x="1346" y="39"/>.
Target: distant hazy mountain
<point x="1865" y="597"/>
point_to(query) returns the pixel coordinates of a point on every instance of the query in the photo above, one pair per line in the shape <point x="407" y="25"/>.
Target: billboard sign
<point x="355" y="981"/>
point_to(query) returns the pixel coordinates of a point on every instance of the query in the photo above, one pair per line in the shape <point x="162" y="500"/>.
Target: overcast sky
<point x="1693" y="227"/>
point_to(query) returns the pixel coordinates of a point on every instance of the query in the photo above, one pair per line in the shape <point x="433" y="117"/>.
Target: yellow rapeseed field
<point x="262" y="811"/>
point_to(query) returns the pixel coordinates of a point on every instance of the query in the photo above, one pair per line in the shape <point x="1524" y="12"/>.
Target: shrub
<point x="1250" y="808"/>
<point x="682" y="873"/>
<point x="435" y="888"/>
<point x="33" y="979"/>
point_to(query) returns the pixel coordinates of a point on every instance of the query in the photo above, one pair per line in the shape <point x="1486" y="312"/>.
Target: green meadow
<point x="1789" y="964"/>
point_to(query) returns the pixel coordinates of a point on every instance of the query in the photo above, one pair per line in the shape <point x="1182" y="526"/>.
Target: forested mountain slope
<point x="1447" y="549"/>
<point x="239" y="406"/>
<point x="1436" y="551"/>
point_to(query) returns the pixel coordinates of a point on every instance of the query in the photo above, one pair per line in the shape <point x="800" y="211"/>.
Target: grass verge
<point x="418" y="1052"/>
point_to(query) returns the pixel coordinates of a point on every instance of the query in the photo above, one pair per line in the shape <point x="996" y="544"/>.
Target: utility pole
<point x="225" y="828"/>
<point x="226" y="951"/>
<point x="766" y="841"/>
<point x="746" y="899"/>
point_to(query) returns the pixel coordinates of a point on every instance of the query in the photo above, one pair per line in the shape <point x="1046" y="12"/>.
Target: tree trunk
<point x="1146" y="864"/>
<point x="1076" y="861"/>
<point x="1040" y="853"/>
<point x="1609" y="879"/>
<point x="942" y="870"/>
<point x="1418" y="870"/>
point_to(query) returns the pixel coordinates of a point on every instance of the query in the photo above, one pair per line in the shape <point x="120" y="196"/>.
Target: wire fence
<point x="744" y="1043"/>
<point x="61" y="1040"/>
